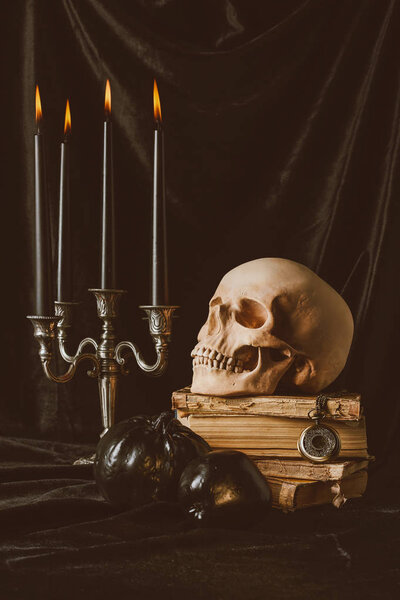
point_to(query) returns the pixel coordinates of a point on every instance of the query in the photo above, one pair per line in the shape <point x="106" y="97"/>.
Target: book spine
<point x="290" y="496"/>
<point x="287" y="497"/>
<point x="340" y="409"/>
<point x="302" y="469"/>
<point x="306" y="470"/>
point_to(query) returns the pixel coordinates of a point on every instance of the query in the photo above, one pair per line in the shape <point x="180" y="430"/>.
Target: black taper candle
<point x="64" y="264"/>
<point x="43" y="271"/>
<point x="108" y="208"/>
<point x="159" y="267"/>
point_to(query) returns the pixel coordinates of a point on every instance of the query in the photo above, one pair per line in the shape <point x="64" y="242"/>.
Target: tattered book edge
<point x="346" y="407"/>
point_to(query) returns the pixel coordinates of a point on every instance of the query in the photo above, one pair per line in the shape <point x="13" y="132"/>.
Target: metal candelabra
<point x="108" y="357"/>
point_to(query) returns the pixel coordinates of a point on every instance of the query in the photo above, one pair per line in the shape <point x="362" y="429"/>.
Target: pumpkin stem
<point x="163" y="420"/>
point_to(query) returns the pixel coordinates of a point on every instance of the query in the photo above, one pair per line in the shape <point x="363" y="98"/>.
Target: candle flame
<point x="38" y="105"/>
<point x="67" y="122"/>
<point x="156" y="102"/>
<point x="107" y="99"/>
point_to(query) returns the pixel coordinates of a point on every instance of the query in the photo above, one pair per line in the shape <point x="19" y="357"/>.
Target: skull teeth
<point x="212" y="359"/>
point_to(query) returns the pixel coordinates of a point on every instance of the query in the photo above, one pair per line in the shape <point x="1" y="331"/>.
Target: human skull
<point x="271" y="321"/>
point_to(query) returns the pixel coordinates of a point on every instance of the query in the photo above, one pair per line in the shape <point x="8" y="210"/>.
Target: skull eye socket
<point x="251" y="314"/>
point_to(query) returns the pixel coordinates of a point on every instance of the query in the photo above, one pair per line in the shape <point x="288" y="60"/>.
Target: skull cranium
<point x="271" y="322"/>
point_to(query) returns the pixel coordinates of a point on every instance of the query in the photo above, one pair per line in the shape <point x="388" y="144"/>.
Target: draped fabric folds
<point x="282" y="139"/>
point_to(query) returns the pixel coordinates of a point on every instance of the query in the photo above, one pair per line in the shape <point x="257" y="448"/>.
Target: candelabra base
<point x="85" y="460"/>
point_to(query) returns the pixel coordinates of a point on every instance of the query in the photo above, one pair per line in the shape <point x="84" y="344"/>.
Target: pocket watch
<point x="319" y="442"/>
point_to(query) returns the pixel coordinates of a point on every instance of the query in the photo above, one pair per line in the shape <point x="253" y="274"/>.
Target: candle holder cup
<point x="108" y="356"/>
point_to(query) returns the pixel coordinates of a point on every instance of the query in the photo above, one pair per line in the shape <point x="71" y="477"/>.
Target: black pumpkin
<point x="141" y="459"/>
<point x="224" y="489"/>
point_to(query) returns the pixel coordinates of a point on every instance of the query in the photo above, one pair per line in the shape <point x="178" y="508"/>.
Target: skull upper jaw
<point x="220" y="382"/>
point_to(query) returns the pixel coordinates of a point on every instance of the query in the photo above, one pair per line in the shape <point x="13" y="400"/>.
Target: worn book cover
<point x="303" y="469"/>
<point x="293" y="494"/>
<point x="271" y="436"/>
<point x="347" y="407"/>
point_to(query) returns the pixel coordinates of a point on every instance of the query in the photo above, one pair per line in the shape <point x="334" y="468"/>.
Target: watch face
<point x="319" y="443"/>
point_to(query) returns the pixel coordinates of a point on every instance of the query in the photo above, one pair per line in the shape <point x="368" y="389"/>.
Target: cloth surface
<point x="281" y="128"/>
<point x="61" y="540"/>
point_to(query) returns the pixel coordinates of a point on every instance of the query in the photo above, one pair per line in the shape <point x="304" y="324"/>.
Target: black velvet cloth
<point x="282" y="139"/>
<point x="59" y="539"/>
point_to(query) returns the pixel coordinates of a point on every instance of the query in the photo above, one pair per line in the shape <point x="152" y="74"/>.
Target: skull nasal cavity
<point x="251" y="314"/>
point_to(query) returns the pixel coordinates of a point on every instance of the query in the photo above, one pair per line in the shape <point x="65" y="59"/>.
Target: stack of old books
<point x="268" y="428"/>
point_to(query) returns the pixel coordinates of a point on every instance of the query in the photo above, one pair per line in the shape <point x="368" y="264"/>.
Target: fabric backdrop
<point x="282" y="139"/>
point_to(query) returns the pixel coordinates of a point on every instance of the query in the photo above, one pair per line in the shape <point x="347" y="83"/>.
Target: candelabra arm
<point x="68" y="375"/>
<point x="160" y="326"/>
<point x="68" y="357"/>
<point x="155" y="369"/>
<point x="65" y="311"/>
<point x="45" y="329"/>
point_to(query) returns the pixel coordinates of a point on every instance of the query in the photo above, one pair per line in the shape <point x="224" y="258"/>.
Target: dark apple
<point x="224" y="488"/>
